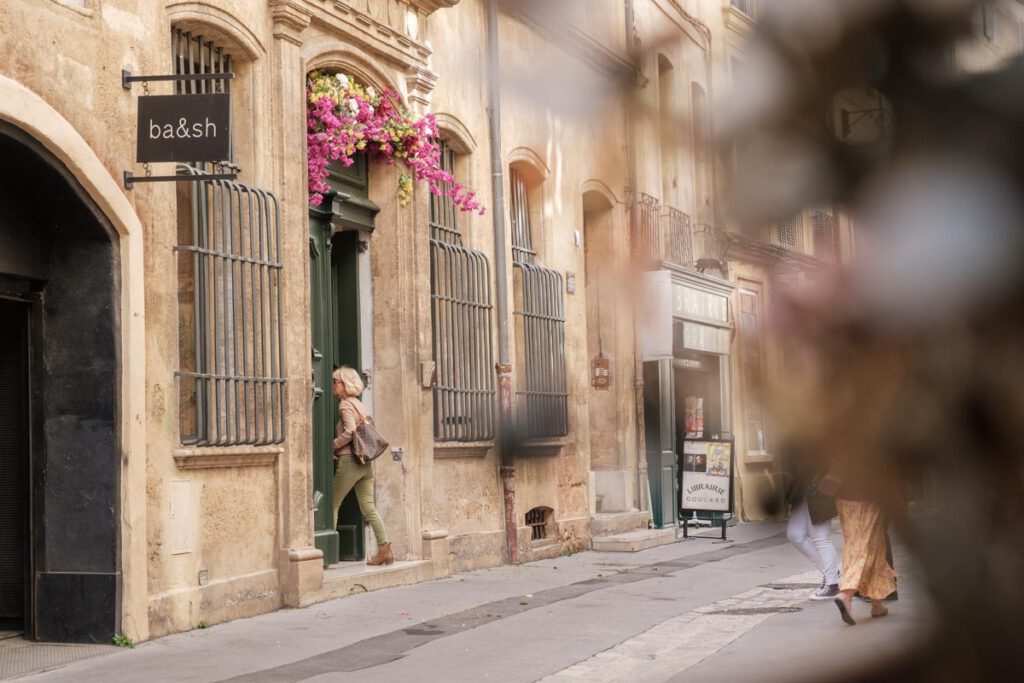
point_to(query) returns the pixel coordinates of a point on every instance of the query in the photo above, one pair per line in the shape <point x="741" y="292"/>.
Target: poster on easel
<point x="706" y="476"/>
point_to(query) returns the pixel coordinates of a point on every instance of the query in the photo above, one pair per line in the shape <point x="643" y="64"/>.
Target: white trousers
<point x="813" y="541"/>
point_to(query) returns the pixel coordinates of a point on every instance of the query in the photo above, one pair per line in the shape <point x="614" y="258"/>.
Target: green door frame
<point x="660" y="430"/>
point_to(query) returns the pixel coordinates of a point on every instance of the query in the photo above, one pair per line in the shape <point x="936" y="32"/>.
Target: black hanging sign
<point x="184" y="128"/>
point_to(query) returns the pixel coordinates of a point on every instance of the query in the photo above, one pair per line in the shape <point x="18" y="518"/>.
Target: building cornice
<point x="575" y="41"/>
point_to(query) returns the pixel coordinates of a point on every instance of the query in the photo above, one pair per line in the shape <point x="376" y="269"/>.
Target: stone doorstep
<point x="633" y="541"/>
<point x="348" y="578"/>
<point x="610" y="523"/>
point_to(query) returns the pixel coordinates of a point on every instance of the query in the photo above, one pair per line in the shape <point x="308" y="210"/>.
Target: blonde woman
<point x="349" y="474"/>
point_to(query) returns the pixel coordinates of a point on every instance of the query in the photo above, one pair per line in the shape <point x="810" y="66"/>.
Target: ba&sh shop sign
<point x="184" y="128"/>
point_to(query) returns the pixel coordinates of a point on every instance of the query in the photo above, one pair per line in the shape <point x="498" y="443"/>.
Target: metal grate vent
<point x="537" y="520"/>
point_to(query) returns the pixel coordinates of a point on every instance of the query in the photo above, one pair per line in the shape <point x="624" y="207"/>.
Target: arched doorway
<point x="59" y="374"/>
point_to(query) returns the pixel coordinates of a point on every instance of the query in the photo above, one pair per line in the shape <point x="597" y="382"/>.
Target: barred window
<point x="231" y="367"/>
<point x="785" y="234"/>
<point x="460" y="294"/>
<point x="543" y="397"/>
<point x="825" y="235"/>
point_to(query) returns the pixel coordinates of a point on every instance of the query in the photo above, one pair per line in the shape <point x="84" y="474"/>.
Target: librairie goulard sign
<point x="184" y="128"/>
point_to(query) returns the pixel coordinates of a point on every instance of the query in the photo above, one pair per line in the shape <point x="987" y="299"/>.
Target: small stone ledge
<point x="206" y="457"/>
<point x="542" y="447"/>
<point x="478" y="449"/>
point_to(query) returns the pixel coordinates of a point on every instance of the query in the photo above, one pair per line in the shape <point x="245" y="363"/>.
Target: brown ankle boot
<point x="383" y="556"/>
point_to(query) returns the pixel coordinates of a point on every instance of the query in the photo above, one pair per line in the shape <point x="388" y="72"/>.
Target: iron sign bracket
<point x="130" y="179"/>
<point x="127" y="78"/>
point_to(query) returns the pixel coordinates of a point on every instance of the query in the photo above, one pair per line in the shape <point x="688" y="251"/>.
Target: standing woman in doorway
<point x="348" y="473"/>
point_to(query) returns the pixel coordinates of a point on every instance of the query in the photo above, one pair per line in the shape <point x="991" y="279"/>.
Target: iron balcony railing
<point x="647" y="240"/>
<point x="710" y="250"/>
<point x="677" y="238"/>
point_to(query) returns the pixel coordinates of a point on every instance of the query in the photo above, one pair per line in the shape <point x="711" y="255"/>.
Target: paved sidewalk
<point x="692" y="610"/>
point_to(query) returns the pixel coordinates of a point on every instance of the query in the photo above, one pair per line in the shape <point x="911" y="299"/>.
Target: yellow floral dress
<point x="865" y="568"/>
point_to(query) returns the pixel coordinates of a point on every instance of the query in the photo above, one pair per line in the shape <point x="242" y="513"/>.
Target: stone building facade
<point x="168" y="443"/>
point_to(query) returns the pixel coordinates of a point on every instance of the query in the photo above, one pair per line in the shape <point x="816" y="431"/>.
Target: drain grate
<point x="749" y="611"/>
<point x="790" y="586"/>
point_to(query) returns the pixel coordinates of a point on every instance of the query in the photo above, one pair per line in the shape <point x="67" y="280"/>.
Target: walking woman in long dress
<point x="865" y="568"/>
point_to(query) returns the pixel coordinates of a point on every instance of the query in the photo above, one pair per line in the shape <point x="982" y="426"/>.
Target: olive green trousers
<point x="350" y="474"/>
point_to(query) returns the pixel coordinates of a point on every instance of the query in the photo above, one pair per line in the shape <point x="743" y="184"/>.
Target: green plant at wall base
<point x="202" y="624"/>
<point x="121" y="640"/>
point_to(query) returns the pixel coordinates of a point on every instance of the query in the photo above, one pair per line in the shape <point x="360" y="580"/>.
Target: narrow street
<point x="689" y="611"/>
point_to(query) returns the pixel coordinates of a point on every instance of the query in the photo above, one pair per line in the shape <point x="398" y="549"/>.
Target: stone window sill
<point x="205" y="457"/>
<point x="760" y="457"/>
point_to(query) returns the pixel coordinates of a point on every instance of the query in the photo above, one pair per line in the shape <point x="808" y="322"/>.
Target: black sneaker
<point x="891" y="597"/>
<point x="825" y="592"/>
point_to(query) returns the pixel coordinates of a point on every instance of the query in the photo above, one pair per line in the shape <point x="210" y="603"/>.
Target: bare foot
<point x="878" y="609"/>
<point x="843" y="603"/>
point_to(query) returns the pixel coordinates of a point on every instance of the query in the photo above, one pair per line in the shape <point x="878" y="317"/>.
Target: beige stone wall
<point x="213" y="543"/>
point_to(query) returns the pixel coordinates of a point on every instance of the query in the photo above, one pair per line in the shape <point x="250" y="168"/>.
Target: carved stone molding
<point x="381" y="29"/>
<point x="428" y="7"/>
<point x="291" y="18"/>
<point x="420" y="81"/>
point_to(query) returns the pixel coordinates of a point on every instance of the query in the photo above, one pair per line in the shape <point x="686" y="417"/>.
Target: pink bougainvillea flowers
<point x="344" y="118"/>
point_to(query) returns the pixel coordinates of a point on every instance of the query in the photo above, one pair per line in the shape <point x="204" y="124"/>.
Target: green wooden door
<point x="659" y="432"/>
<point x="322" y="313"/>
<point x="336" y="228"/>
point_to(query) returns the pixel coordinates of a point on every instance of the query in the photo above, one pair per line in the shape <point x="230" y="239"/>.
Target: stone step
<point x="609" y="523"/>
<point x="348" y="578"/>
<point x="633" y="541"/>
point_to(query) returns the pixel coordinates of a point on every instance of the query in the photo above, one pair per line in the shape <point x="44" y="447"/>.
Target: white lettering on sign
<point x="705" y="338"/>
<point x="206" y="129"/>
<point x="694" y="303"/>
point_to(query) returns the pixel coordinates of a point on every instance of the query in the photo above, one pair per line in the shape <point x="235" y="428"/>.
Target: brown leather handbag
<point x="367" y="442"/>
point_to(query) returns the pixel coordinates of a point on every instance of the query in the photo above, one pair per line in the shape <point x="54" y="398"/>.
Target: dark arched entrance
<point x="59" y="360"/>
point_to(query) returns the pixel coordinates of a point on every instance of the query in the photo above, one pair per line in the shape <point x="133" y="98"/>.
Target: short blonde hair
<point x="349" y="379"/>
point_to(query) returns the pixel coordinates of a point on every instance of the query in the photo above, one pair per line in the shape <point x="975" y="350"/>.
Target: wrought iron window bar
<point x="825" y="236"/>
<point x="460" y="294"/>
<point x="543" y="395"/>
<point x="235" y="391"/>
